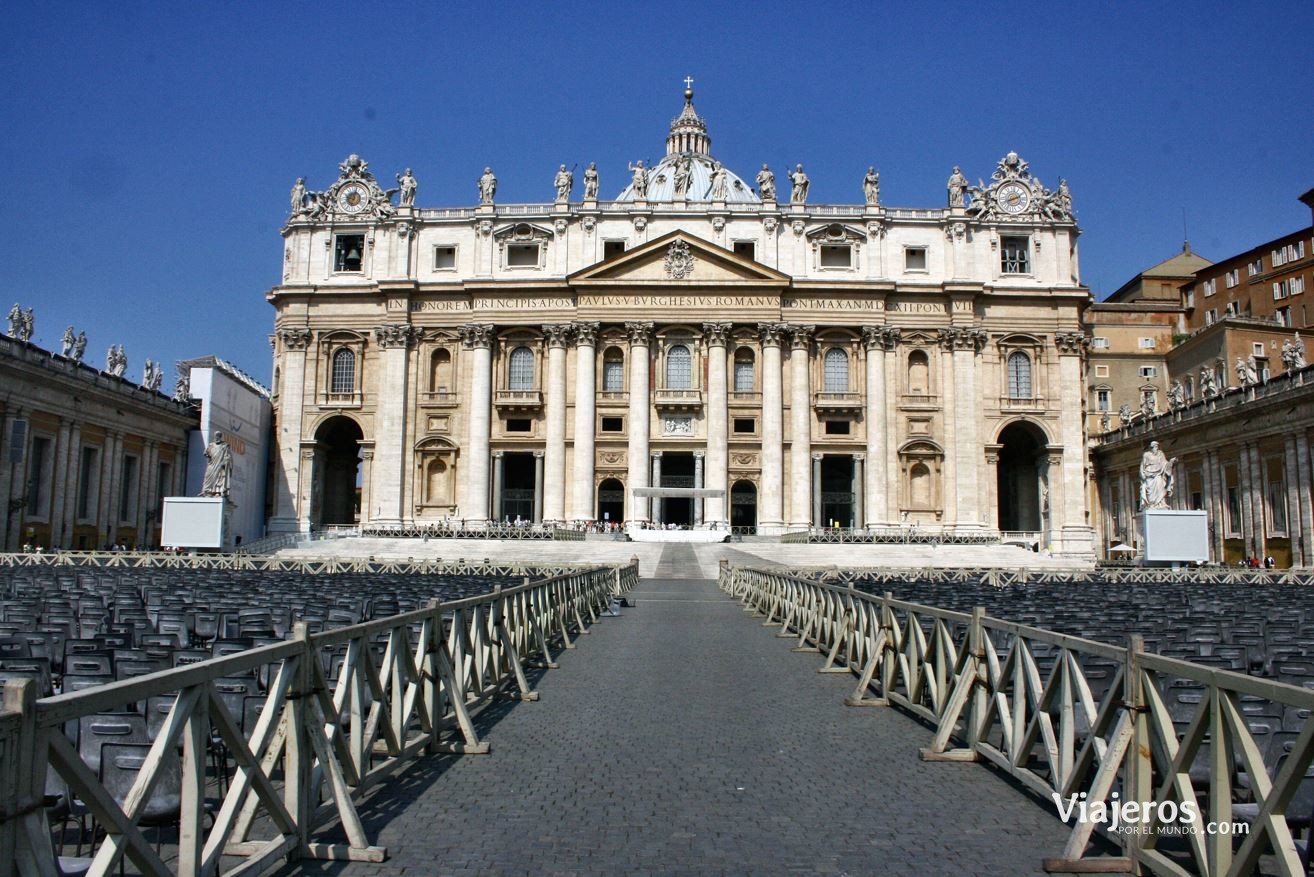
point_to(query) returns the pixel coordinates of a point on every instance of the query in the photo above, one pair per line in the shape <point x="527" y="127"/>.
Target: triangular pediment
<point x="679" y="259"/>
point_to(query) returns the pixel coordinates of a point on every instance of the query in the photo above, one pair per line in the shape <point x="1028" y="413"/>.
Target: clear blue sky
<point x="156" y="143"/>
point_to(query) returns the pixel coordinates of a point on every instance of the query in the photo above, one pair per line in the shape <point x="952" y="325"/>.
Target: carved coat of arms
<point x="679" y="261"/>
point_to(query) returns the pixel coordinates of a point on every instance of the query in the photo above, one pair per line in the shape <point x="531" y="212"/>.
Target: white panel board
<point x="193" y="522"/>
<point x="1176" y="535"/>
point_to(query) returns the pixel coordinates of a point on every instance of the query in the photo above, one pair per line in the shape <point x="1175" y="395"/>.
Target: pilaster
<point x="390" y="458"/>
<point x="582" y="495"/>
<point x="800" y="419"/>
<point x="640" y="335"/>
<point x="771" y="517"/>
<point x="287" y="438"/>
<point x="718" y="448"/>
<point x="477" y="338"/>
<point x="554" y="486"/>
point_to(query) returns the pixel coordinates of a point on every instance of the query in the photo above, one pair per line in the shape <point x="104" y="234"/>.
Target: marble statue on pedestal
<point x="564" y="182"/>
<point x="1124" y="414"/>
<point x="487" y="186"/>
<point x="957" y="188"/>
<point x="1208" y="383"/>
<point x="1247" y="371"/>
<point x="299" y="197"/>
<point x="1156" y="478"/>
<point x="67" y="342"/>
<point x="766" y="184"/>
<point x="182" y="389"/>
<point x="1293" y="353"/>
<point x="591" y="182"/>
<point x="409" y="186"/>
<point x="799" y="184"/>
<point x="218" y="467"/>
<point x="1176" y="396"/>
<point x="80" y="346"/>
<point x="15" y="321"/>
<point x="683" y="175"/>
<point x="718" y="187"/>
<point x="1105" y="421"/>
<point x="639" y="180"/>
<point x="116" y="361"/>
<point x="871" y="187"/>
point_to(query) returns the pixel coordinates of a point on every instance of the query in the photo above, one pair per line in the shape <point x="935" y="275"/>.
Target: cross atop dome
<point x="688" y="131"/>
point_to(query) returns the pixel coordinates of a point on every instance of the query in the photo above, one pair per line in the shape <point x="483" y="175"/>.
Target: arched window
<point x="679" y="368"/>
<point x="919" y="486"/>
<point x="1019" y="375"/>
<point x="520" y="371"/>
<point x="613" y="371"/>
<point x="743" y="370"/>
<point x="835" y="372"/>
<point x="343" y="374"/>
<point x="440" y="371"/>
<point x="919" y="373"/>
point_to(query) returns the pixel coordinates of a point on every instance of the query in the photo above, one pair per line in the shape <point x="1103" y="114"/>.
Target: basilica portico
<point x="694" y="353"/>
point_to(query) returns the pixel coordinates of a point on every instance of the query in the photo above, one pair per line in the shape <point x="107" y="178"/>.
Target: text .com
<point x="1135" y="817"/>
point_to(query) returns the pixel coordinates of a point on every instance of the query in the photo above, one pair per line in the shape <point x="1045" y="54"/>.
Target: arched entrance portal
<point x="611" y="501"/>
<point x="1022" y="495"/>
<point x="337" y="472"/>
<point x="743" y="507"/>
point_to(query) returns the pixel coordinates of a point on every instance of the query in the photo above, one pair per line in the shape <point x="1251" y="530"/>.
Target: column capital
<point x="476" y="335"/>
<point x="656" y="455"/>
<point x="404" y="336"/>
<point x="558" y="334"/>
<point x="294" y="339"/>
<point x="640" y="332"/>
<point x="497" y="455"/>
<point x="816" y="457"/>
<point x="716" y="334"/>
<point x="698" y="455"/>
<point x="859" y="457"/>
<point x="881" y="337"/>
<point x="771" y="334"/>
<point x="1071" y="342"/>
<point x="538" y="453"/>
<point x="801" y="337"/>
<point x="963" y="338"/>
<point x="586" y="333"/>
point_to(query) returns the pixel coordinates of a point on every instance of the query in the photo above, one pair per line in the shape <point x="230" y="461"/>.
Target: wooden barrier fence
<point x="339" y="712"/>
<point x="1066" y="716"/>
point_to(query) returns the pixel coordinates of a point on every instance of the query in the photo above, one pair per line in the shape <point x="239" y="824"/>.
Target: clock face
<point x="353" y="198"/>
<point x="1013" y="198"/>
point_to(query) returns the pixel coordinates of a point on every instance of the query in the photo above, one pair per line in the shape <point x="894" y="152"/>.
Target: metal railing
<point x="342" y="710"/>
<point x="460" y="530"/>
<point x="899" y="535"/>
<point x="1066" y="717"/>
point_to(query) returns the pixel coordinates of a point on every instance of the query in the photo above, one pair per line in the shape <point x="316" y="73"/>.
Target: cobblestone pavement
<point x="686" y="738"/>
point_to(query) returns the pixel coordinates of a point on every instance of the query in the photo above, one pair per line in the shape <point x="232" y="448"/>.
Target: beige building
<point x="803" y="364"/>
<point x="85" y="456"/>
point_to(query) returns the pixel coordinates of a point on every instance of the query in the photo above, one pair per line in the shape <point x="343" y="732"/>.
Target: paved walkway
<point x="685" y="738"/>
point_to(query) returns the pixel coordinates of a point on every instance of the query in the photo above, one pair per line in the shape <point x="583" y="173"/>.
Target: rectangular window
<point x="1145" y="343"/>
<point x="1230" y="310"/>
<point x="613" y="424"/>
<point x="38" y="477"/>
<point x="612" y="248"/>
<point x="522" y="255"/>
<point x="1149" y="371"/>
<point x="128" y="490"/>
<point x="836" y="256"/>
<point x="1103" y="400"/>
<point x="1015" y="254"/>
<point x="1101" y="371"/>
<point x="613" y="376"/>
<point x="1283" y="316"/>
<point x="1190" y="296"/>
<point x="1099" y="342"/>
<point x="348" y="252"/>
<point x="1233" y="511"/>
<point x="1255" y="267"/>
<point x="746" y="249"/>
<point x="1277" y="509"/>
<point x="1257" y="348"/>
<point x="1210" y="316"/>
<point x="88" y="488"/>
<point x="745" y="425"/>
<point x="519" y="424"/>
<point x="444" y="258"/>
<point x="1233" y="277"/>
<point x="1297" y="285"/>
<point x="1210" y="287"/>
<point x="837" y="427"/>
<point x="914" y="259"/>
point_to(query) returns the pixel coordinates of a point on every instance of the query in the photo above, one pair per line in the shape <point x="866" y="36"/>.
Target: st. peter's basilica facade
<point x="823" y="365"/>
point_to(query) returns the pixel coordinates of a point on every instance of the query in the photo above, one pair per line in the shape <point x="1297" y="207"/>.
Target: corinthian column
<point x="586" y="341"/>
<point x="554" y="462"/>
<point x="718" y="448"/>
<point x="800" y="432"/>
<point x="287" y="437"/>
<point x="1078" y="537"/>
<point x="478" y="339"/>
<point x="878" y="339"/>
<point x="964" y="345"/>
<point x="390" y="468"/>
<point x="771" y="517"/>
<point x="637" y="457"/>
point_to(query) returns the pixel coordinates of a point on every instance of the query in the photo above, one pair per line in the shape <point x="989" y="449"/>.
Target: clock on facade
<point x="1013" y="197"/>
<point x="352" y="198"/>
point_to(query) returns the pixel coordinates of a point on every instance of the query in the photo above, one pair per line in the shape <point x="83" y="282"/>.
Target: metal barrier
<point x="341" y="711"/>
<point x="497" y="530"/>
<point x="1069" y="718"/>
<point x="897" y="536"/>
<point x="1002" y="578"/>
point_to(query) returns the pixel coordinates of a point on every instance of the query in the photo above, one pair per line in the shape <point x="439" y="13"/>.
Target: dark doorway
<point x="611" y="501"/>
<point x="677" y="471"/>
<point x="836" y="491"/>
<point x="337" y="471"/>
<point x="743" y="507"/>
<point x="517" y="487"/>
<point x="1020" y="502"/>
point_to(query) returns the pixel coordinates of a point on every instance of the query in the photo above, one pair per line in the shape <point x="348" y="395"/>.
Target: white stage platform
<point x="695" y="537"/>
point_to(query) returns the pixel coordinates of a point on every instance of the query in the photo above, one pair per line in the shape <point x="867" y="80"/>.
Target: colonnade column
<point x="1256" y="498"/>
<point x="878" y="339"/>
<point x="816" y="491"/>
<point x="1304" y="527"/>
<point x="657" y="482"/>
<point x="478" y="339"/>
<point x="698" y="507"/>
<point x="800" y="421"/>
<point x="771" y="518"/>
<point x="554" y="484"/>
<point x="858" y="485"/>
<point x="291" y="388"/>
<point x="11" y="467"/>
<point x="581" y="502"/>
<point x="538" y="487"/>
<point x="718" y="447"/>
<point x="640" y="334"/>
<point x="59" y="464"/>
<point x="114" y="461"/>
<point x="499" y="463"/>
<point x="391" y="463"/>
<point x="1291" y="487"/>
<point x="75" y="482"/>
